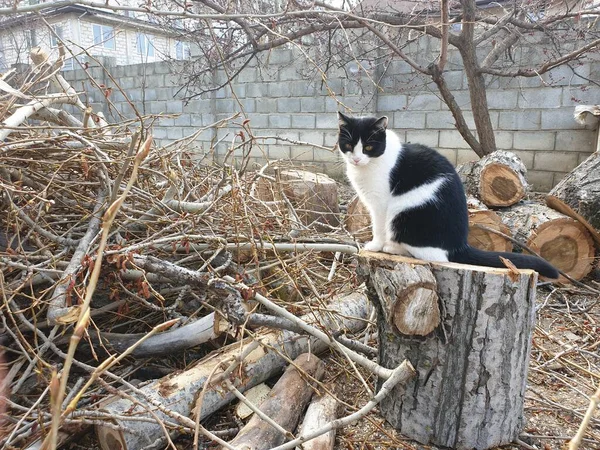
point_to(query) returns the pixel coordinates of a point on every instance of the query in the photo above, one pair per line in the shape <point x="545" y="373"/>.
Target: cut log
<point x="580" y="190"/>
<point x="314" y="196"/>
<point x="178" y="391"/>
<point x="256" y="395"/>
<point x="358" y="220"/>
<point x="560" y="240"/>
<point x="321" y="411"/>
<point x="472" y="372"/>
<point x="484" y="239"/>
<point x="409" y="299"/>
<point x="284" y="404"/>
<point x="497" y="179"/>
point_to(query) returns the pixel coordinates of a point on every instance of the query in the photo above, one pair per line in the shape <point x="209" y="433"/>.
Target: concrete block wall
<point x="532" y="116"/>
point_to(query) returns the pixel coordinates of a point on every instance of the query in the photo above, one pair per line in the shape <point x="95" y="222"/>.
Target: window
<point x="104" y="36"/>
<point x="144" y="45"/>
<point x="182" y="50"/>
<point x="56" y="35"/>
<point x="30" y="38"/>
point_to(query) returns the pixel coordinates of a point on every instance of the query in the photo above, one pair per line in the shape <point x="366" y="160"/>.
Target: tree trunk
<point x="284" y="404"/>
<point x="560" y="240"/>
<point x="472" y="370"/>
<point x="580" y="190"/>
<point x="178" y="390"/>
<point x="498" y="179"/>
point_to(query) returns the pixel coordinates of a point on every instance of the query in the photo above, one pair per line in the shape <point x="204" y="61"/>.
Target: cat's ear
<point x="381" y="123"/>
<point x="343" y="119"/>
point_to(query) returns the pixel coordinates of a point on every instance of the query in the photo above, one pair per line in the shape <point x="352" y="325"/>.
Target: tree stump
<point x="497" y="179"/>
<point x="314" y="196"/>
<point x="560" y="240"/>
<point x="358" y="220"/>
<point x="472" y="369"/>
<point x="580" y="191"/>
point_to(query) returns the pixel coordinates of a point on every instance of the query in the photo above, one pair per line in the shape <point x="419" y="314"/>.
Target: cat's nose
<point x="356" y="159"/>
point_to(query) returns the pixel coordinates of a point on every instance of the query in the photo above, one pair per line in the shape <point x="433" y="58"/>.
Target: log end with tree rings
<point x="481" y="237"/>
<point x="500" y="185"/>
<point x="567" y="245"/>
<point x="416" y="311"/>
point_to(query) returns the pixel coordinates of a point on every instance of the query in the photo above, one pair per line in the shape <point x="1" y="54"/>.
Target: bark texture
<point x="580" y="190"/>
<point x="472" y="371"/>
<point x="358" y="220"/>
<point x="284" y="404"/>
<point x="562" y="241"/>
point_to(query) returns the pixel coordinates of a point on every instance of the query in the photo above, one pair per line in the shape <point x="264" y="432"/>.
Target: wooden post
<point x="472" y="368"/>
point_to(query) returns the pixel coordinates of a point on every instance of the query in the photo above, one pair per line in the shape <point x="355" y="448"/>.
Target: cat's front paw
<point x="394" y="248"/>
<point x="373" y="246"/>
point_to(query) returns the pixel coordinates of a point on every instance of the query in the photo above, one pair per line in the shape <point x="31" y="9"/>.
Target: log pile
<point x="114" y="248"/>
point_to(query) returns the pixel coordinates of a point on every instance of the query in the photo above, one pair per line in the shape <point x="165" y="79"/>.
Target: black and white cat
<point x="415" y="197"/>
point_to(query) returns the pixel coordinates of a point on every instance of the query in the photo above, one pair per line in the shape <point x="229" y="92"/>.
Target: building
<point x="119" y="38"/>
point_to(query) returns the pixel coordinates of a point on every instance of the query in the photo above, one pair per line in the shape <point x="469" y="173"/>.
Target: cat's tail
<point x="471" y="255"/>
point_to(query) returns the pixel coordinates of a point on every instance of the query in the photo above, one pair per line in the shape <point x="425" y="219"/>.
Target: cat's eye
<point x="368" y="148"/>
<point x="348" y="146"/>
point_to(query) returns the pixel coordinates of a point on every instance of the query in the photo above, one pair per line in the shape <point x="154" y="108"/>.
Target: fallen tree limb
<point x="284" y="405"/>
<point x="322" y="410"/>
<point x="177" y="391"/>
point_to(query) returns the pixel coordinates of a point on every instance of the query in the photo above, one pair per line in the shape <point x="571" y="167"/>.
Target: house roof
<point x="98" y="13"/>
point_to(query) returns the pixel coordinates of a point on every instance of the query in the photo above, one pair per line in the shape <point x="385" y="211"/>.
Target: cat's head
<point x="361" y="138"/>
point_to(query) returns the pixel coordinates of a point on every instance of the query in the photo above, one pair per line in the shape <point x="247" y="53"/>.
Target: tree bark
<point x="498" y="179"/>
<point x="284" y="404"/>
<point x="562" y="241"/>
<point x="322" y="410"/>
<point x="472" y="371"/>
<point x="178" y="391"/>
<point x="580" y="190"/>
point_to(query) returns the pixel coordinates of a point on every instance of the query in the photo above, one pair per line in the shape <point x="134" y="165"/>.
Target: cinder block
<point x="226" y="106"/>
<point x="182" y="121"/>
<point x="266" y="105"/>
<point x="425" y="137"/>
<point x="423" y="102"/>
<point x="328" y="121"/>
<point x="502" y="99"/>
<point x="331" y="105"/>
<point x="540" y="98"/>
<point x="465" y="155"/>
<point x="390" y="103"/>
<point x="314" y="137"/>
<point x="280" y="121"/>
<point x="526" y="157"/>
<point x="313" y="104"/>
<point x="174" y="107"/>
<point x="303" y="88"/>
<point x="576" y="141"/>
<point x="174" y="133"/>
<point x="541" y="181"/>
<point x="150" y="95"/>
<point x="257" y="89"/>
<point x="279" y="56"/>
<point x="533" y="140"/>
<point x="158" y="107"/>
<point x="302" y="153"/>
<point x="330" y="138"/>
<point x="288" y="105"/>
<point x="303" y="121"/>
<point x="520" y="120"/>
<point x="583" y="157"/>
<point x="279" y="89"/>
<point x="449" y="153"/>
<point x="560" y="119"/>
<point x="248" y="104"/>
<point x="439" y="120"/>
<point x="165" y="93"/>
<point x="408" y="120"/>
<point x="288" y="73"/>
<point x="259" y="121"/>
<point x="247" y="75"/>
<point x="279" y="152"/>
<point x="555" y="161"/>
<point x="454" y="79"/>
<point x="568" y="75"/>
<point x="159" y="133"/>
<point x="504" y="140"/>
<point x="452" y="139"/>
